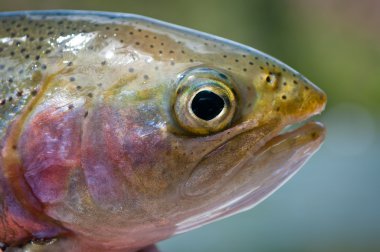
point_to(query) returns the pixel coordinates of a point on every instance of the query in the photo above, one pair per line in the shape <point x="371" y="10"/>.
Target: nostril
<point x="271" y="80"/>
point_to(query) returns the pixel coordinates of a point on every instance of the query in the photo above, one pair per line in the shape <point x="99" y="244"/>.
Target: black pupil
<point x="207" y="105"/>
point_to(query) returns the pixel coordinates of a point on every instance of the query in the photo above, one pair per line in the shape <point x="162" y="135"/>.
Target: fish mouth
<point x="256" y="176"/>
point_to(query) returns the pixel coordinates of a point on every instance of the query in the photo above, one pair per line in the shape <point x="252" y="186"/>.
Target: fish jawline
<point x="264" y="171"/>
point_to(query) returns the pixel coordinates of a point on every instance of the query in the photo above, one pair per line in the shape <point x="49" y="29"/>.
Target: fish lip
<point x="315" y="129"/>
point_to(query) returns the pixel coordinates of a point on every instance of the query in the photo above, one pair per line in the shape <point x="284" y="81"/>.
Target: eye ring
<point x="205" y="101"/>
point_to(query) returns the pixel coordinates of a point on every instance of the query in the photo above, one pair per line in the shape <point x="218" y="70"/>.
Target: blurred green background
<point x="333" y="204"/>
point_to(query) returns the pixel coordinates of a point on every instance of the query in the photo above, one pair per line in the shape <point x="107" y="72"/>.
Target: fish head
<point x="208" y="130"/>
<point x="155" y="129"/>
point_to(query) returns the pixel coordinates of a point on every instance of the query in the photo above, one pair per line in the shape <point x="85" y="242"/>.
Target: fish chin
<point x="253" y="176"/>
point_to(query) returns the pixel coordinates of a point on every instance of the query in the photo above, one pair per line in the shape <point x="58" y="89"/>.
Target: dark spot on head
<point x="103" y="62"/>
<point x="43" y="66"/>
<point x="151" y="46"/>
<point x="160" y="51"/>
<point x="47" y="51"/>
<point x="172" y="63"/>
<point x="131" y="70"/>
<point x="37" y="57"/>
<point x="307" y="88"/>
<point x="70" y="63"/>
<point x="137" y="43"/>
<point x="224" y="56"/>
<point x="262" y="68"/>
<point x="131" y="33"/>
<point x="284" y="83"/>
<point x="236" y="60"/>
<point x="191" y="60"/>
<point x="314" y="135"/>
<point x="268" y="79"/>
<point x="245" y="69"/>
<point x="283" y="97"/>
<point x="71" y="106"/>
<point x="90" y="95"/>
<point x="278" y="109"/>
<point x="72" y="79"/>
<point x="171" y="51"/>
<point x="79" y="87"/>
<point x="251" y="63"/>
<point x="295" y="82"/>
<point x="146" y="77"/>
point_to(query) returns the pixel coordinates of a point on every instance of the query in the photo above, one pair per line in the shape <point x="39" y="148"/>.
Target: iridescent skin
<point x="91" y="154"/>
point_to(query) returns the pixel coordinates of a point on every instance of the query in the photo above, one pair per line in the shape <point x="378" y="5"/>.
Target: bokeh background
<point x="333" y="203"/>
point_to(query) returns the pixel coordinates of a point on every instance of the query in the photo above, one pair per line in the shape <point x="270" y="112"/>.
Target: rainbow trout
<point x="118" y="131"/>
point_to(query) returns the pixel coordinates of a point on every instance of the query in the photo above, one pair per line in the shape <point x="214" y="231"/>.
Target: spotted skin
<point x="91" y="153"/>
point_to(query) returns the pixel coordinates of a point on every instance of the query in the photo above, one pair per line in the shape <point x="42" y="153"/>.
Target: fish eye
<point x="205" y="101"/>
